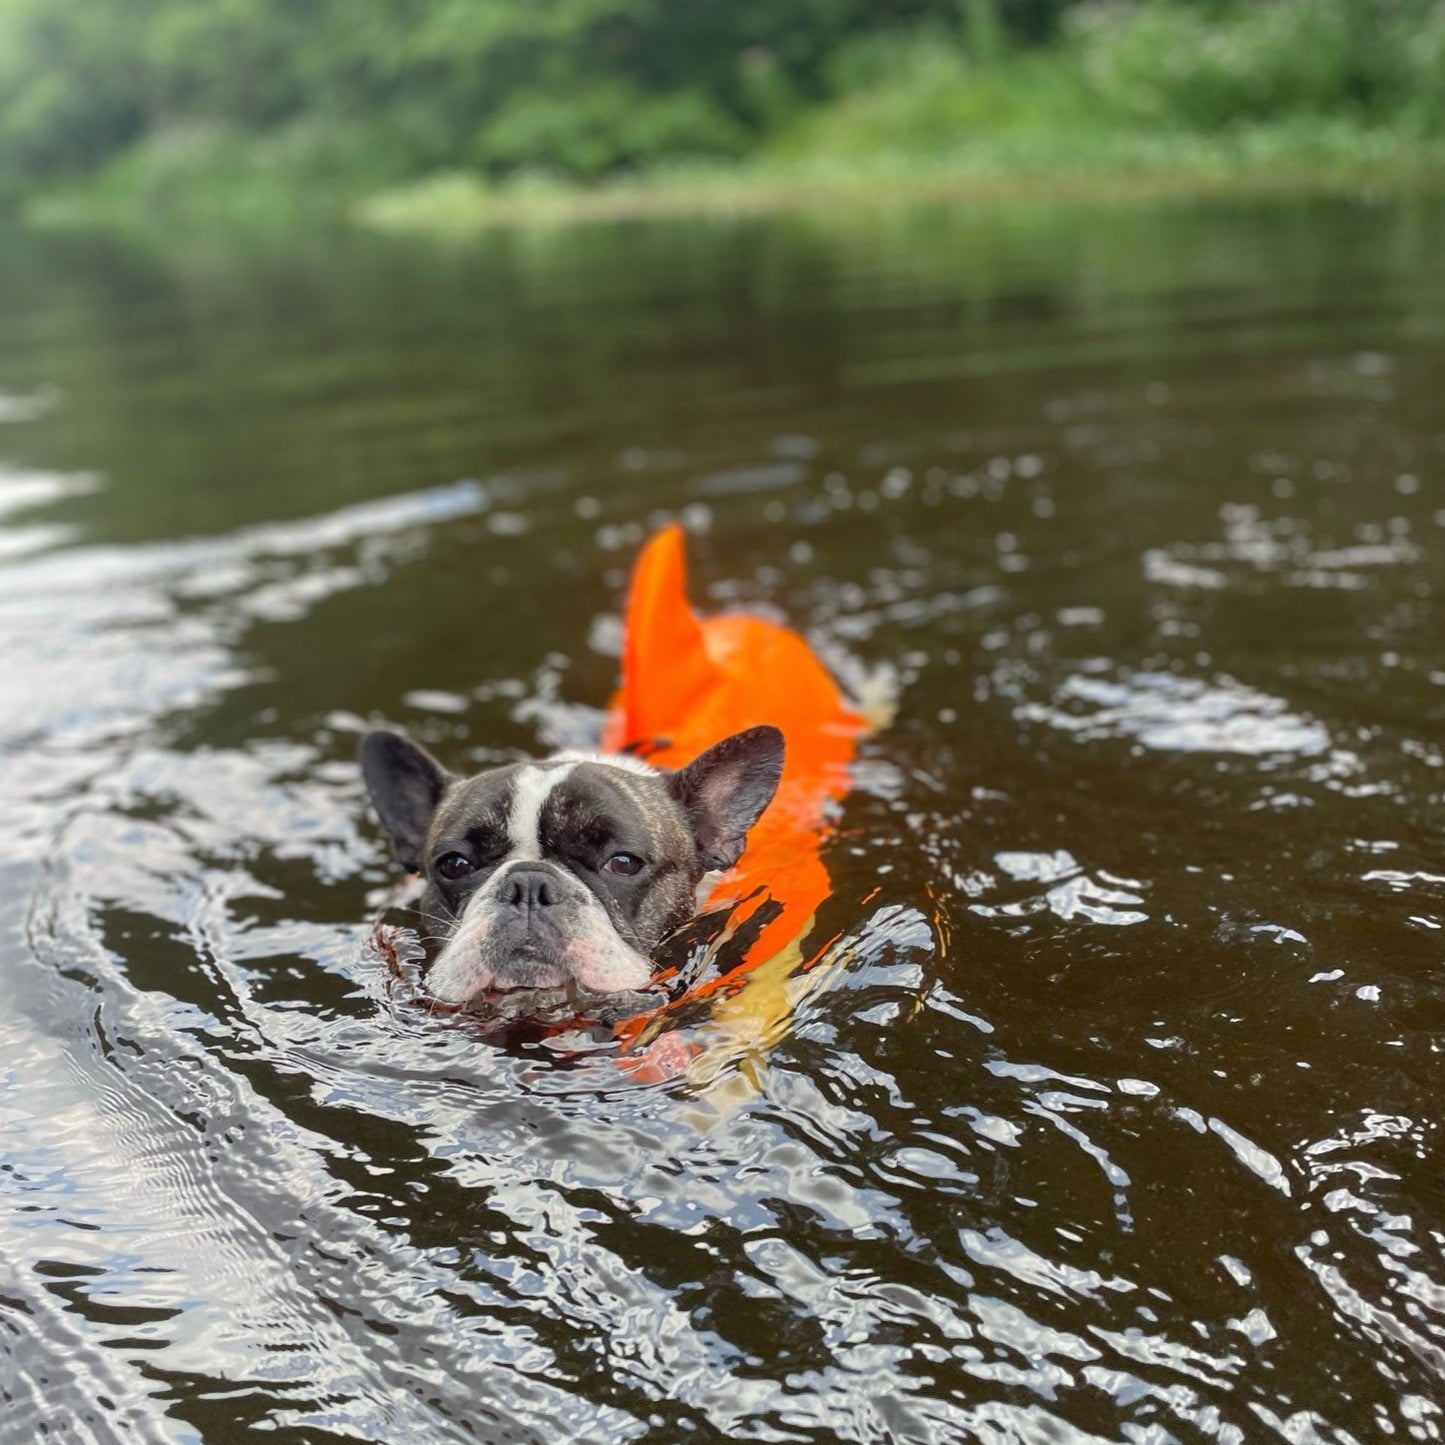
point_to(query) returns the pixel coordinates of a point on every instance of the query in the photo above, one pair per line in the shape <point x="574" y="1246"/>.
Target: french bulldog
<point x="567" y="872"/>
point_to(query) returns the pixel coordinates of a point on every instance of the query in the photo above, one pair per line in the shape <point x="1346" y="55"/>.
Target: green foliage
<point x="1203" y="69"/>
<point x="217" y="177"/>
<point x="930" y="101"/>
<point x="68" y="91"/>
<point x="577" y="85"/>
<point x="1422" y="75"/>
<point x="224" y="107"/>
<point x="1124" y="74"/>
<point x="603" y="128"/>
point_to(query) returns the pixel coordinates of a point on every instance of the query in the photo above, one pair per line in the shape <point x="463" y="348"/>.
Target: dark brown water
<point x="1119" y="1118"/>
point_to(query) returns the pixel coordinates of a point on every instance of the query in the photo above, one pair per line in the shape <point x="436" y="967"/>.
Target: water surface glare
<point x="1117" y="1117"/>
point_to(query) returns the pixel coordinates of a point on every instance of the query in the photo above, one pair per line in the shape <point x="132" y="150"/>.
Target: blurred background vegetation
<point x="445" y="112"/>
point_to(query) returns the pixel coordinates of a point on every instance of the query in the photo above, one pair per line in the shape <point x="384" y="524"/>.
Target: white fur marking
<point x="623" y="761"/>
<point x="458" y="973"/>
<point x="524" y="823"/>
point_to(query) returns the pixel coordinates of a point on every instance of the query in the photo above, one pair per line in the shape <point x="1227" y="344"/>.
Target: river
<point x="1117" y="1118"/>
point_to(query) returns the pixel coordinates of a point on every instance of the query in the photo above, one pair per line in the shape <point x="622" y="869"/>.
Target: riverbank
<point x="246" y="194"/>
<point x="456" y="203"/>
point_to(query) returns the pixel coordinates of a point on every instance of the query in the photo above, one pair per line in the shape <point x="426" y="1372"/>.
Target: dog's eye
<point x="626" y="865"/>
<point x="452" y="866"/>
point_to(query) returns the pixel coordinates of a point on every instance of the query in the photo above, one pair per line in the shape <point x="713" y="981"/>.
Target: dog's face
<point x="569" y="870"/>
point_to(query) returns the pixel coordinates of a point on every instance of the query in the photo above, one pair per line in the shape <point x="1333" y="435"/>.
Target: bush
<point x="604" y="128"/>
<point x="1208" y="70"/>
<point x="220" y="176"/>
<point x="1422" y="101"/>
<point x="925" y="94"/>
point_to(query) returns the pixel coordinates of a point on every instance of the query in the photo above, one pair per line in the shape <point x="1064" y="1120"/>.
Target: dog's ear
<point x="724" y="792"/>
<point x="406" y="784"/>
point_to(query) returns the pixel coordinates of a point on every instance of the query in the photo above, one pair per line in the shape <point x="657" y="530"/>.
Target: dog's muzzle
<point x="534" y="925"/>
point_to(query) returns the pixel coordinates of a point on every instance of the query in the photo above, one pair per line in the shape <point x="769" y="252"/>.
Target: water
<point x="1118" y="1118"/>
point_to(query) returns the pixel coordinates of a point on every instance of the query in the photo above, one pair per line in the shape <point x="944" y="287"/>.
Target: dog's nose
<point x="528" y="889"/>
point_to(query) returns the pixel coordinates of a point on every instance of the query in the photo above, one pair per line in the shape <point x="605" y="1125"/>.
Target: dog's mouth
<point x="530" y="963"/>
<point x="529" y="967"/>
<point x="522" y="971"/>
<point x="502" y="952"/>
<point x="550" y="1005"/>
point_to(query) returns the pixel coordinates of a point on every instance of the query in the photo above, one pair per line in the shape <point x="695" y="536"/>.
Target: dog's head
<point x="569" y="870"/>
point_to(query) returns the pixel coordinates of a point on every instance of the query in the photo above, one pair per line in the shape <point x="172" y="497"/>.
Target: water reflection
<point x="1110" y="1114"/>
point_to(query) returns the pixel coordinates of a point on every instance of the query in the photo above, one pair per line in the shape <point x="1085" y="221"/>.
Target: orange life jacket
<point x="690" y="681"/>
